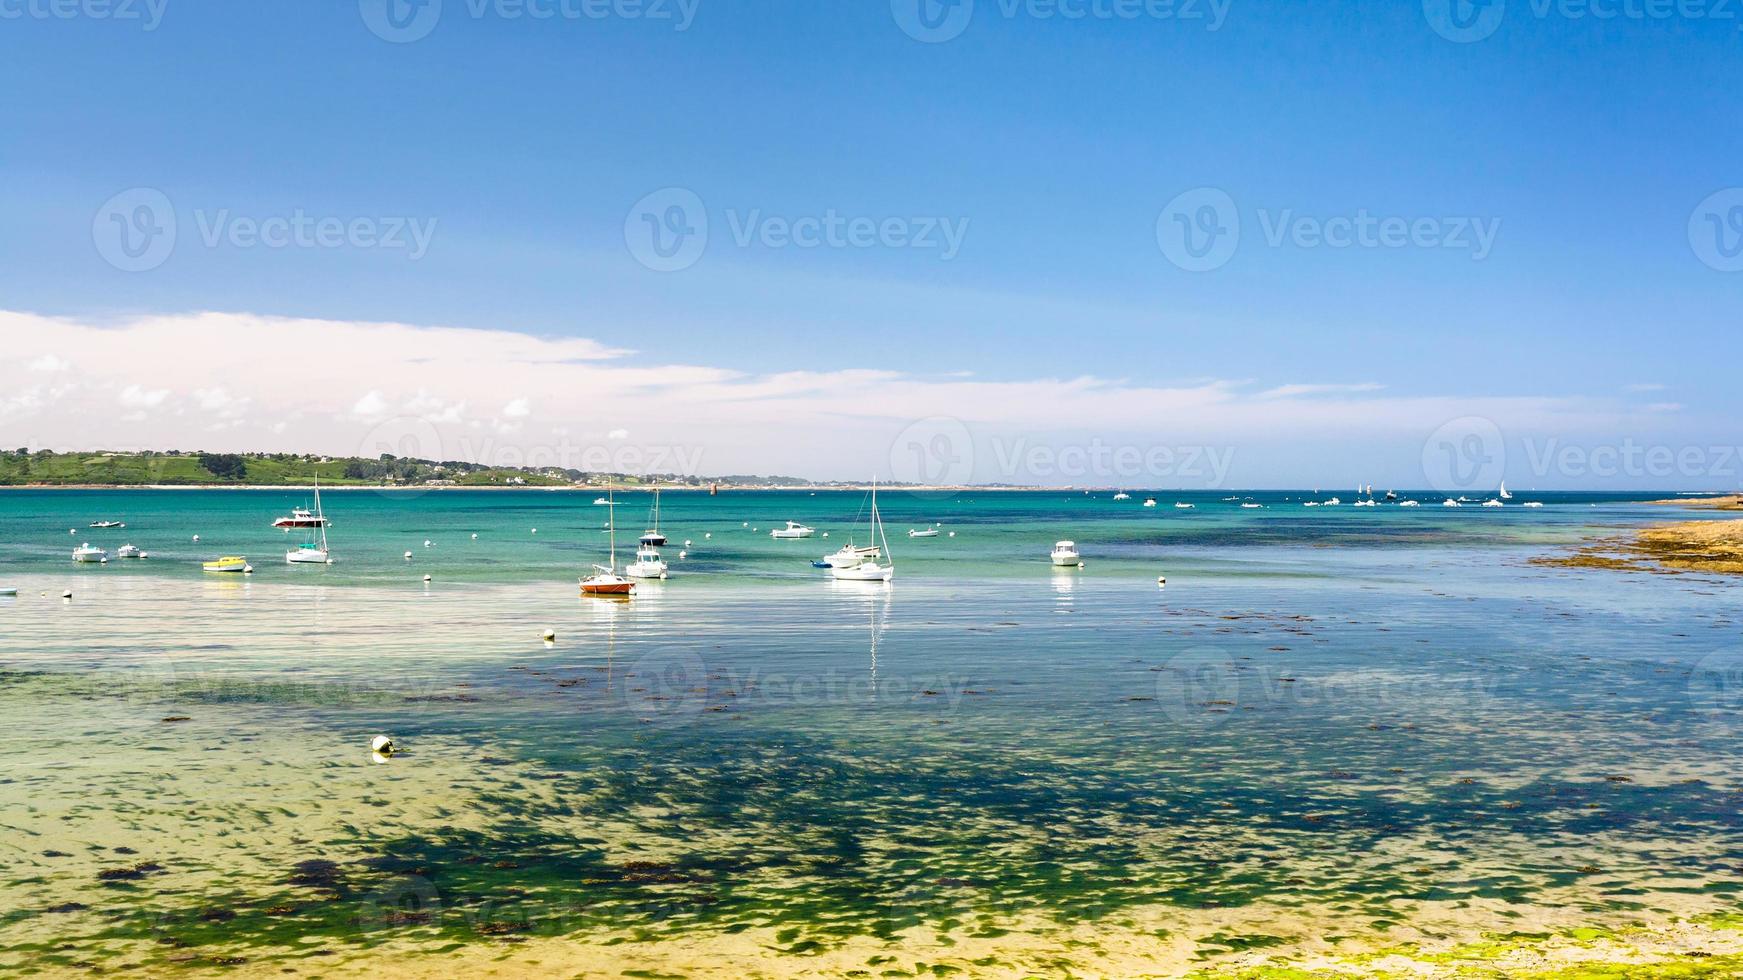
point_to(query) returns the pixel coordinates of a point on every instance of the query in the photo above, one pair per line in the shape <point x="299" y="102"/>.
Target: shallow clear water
<point x="1348" y="713"/>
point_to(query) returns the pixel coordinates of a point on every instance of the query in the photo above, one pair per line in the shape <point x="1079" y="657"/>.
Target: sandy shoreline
<point x="1686" y="546"/>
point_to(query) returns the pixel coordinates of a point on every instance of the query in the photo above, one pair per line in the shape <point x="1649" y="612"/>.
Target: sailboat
<point x="314" y="551"/>
<point x="1504" y="494"/>
<point x="870" y="570"/>
<point x="654" y="538"/>
<point x="605" y="580"/>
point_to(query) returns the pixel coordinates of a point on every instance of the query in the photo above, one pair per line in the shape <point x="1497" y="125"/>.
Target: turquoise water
<point x="1349" y="715"/>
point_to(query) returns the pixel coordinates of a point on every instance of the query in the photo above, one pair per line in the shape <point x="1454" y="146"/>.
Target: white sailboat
<point x="653" y="538"/>
<point x="605" y="580"/>
<point x="313" y="551"/>
<point x="1504" y="494"/>
<point x="870" y="570"/>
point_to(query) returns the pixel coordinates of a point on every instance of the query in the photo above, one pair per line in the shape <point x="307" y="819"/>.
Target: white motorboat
<point x="1532" y="503"/>
<point x="1449" y="502"/>
<point x="1310" y="503"/>
<point x="1408" y="503"/>
<point x="793" y="530"/>
<point x="130" y="551"/>
<point x="1065" y="554"/>
<point x="1122" y="495"/>
<point x="1149" y="501"/>
<point x="930" y="532"/>
<point x="1492" y="502"/>
<point x="871" y="569"/>
<point x="86" y="553"/>
<point x="647" y="564"/>
<point x="314" y="551"/>
<point x="601" y="502"/>
<point x="1183" y="505"/>
<point x="108" y="524"/>
<point x="1334" y="502"/>
<point x="1249" y="505"/>
<point x="300" y="517"/>
<point x="1370" y="502"/>
<point x="605" y="580"/>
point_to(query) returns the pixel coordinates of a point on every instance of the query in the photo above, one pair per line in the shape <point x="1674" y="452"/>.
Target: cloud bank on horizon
<point x="246" y="382"/>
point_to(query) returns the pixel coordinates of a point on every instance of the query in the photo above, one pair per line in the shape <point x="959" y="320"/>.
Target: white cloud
<point x="1643" y="387"/>
<point x="1300" y="391"/>
<point x="133" y="396"/>
<point x="371" y="406"/>
<point x="1664" y="407"/>
<point x="398" y="384"/>
<point x="50" y="364"/>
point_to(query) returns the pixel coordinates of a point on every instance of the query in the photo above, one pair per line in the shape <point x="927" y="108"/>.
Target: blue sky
<point x="1584" y="143"/>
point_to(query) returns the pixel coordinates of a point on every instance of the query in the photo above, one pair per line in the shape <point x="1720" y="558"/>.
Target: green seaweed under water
<point x="1336" y="735"/>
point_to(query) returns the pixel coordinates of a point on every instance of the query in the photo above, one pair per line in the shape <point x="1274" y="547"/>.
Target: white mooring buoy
<point x="408" y="556"/>
<point x="549" y="636"/>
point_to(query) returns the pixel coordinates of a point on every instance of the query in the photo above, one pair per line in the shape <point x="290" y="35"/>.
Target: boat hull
<point x="608" y="588"/>
<point x="1067" y="561"/>
<point x="867" y="572"/>
<point x="306" y="557"/>
<point x="299" y="522"/>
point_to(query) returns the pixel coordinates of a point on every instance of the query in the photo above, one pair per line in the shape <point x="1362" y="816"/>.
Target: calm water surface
<point x="1352" y="714"/>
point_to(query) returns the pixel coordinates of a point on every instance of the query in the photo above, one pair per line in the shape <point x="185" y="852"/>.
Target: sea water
<point x="1332" y="722"/>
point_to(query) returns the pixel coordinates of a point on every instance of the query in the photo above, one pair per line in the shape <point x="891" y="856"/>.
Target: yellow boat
<point x="229" y="563"/>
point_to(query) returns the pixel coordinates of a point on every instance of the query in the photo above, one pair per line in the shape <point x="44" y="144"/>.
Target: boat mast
<point x="878" y="525"/>
<point x="320" y="515"/>
<point x="611" y="518"/>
